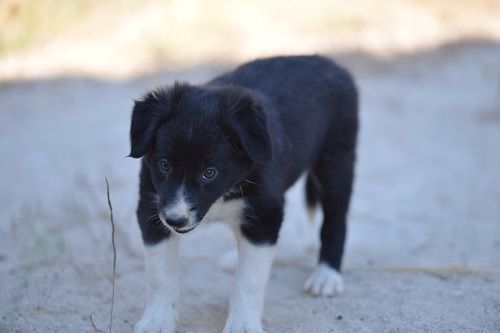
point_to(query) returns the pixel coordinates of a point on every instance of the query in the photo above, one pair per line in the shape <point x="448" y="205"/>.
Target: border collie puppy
<point x="228" y="150"/>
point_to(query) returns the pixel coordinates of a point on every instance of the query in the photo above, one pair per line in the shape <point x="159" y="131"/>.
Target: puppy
<point x="228" y="150"/>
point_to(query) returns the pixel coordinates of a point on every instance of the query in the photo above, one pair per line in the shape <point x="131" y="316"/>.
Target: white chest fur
<point x="226" y="211"/>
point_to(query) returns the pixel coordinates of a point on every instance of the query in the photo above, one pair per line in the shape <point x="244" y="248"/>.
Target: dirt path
<point x="424" y="238"/>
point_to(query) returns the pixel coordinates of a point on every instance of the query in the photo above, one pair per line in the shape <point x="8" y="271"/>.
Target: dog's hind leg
<point x="312" y="193"/>
<point x="335" y="175"/>
<point x="334" y="172"/>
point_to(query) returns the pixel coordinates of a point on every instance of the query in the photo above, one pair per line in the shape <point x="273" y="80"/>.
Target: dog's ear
<point x="148" y="113"/>
<point x="143" y="125"/>
<point x="248" y="121"/>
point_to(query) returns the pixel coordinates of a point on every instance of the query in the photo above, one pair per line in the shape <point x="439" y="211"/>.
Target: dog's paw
<point x="324" y="281"/>
<point x="243" y="326"/>
<point x="150" y="323"/>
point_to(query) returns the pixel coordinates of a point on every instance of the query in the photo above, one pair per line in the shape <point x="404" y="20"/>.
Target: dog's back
<point x="310" y="98"/>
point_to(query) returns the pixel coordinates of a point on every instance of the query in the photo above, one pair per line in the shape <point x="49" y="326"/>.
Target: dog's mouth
<point x="184" y="231"/>
<point x="181" y="230"/>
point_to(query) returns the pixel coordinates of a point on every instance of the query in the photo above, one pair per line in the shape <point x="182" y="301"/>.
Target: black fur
<point x="261" y="126"/>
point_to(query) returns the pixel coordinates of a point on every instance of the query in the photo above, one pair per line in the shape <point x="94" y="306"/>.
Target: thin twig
<point x="114" y="257"/>
<point x="93" y="324"/>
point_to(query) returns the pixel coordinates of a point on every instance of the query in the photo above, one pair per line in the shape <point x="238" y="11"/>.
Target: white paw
<point x="324" y="281"/>
<point x="155" y="323"/>
<point x="228" y="260"/>
<point x="243" y="326"/>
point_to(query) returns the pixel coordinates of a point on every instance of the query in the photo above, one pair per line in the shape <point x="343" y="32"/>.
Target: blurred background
<point x="424" y="237"/>
<point x="120" y="38"/>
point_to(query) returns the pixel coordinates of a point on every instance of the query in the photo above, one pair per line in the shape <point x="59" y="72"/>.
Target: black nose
<point x="177" y="222"/>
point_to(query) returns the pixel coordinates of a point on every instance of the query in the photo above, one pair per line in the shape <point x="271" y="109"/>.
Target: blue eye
<point x="209" y="173"/>
<point x="164" y="165"/>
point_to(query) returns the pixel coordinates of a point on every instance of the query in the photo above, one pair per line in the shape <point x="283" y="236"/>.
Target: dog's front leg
<point x="247" y="299"/>
<point x="162" y="270"/>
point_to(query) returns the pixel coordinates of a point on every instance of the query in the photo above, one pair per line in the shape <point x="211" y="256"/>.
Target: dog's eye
<point x="164" y="166"/>
<point x="209" y="174"/>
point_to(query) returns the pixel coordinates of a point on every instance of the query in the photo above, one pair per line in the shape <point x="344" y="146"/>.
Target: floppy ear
<point x="143" y="126"/>
<point x="248" y="121"/>
<point x="148" y="113"/>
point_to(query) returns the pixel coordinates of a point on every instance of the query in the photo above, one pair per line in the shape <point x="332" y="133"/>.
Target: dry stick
<point x="93" y="324"/>
<point x="114" y="256"/>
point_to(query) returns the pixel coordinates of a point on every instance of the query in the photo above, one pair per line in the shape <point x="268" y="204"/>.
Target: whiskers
<point x="248" y="181"/>
<point x="157" y="223"/>
<point x="153" y="218"/>
<point x="165" y="228"/>
<point x="242" y="195"/>
<point x="209" y="220"/>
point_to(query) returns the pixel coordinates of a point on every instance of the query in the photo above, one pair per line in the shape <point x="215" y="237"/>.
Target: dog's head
<point x="198" y="143"/>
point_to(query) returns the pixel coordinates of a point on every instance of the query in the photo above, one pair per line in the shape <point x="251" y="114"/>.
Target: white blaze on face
<point x="180" y="208"/>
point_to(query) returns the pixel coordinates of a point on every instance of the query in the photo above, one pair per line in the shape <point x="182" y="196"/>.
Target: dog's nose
<point x="176" y="222"/>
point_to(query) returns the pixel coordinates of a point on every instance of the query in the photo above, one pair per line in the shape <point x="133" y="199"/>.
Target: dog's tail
<point x="312" y="196"/>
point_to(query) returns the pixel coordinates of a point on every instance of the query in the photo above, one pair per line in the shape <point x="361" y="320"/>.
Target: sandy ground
<point x="424" y="236"/>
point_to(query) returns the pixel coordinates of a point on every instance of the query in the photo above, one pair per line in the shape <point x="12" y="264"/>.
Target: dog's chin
<point x="184" y="230"/>
<point x="180" y="230"/>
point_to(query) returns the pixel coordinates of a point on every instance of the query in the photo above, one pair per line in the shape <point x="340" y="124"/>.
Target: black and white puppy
<point x="228" y="150"/>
